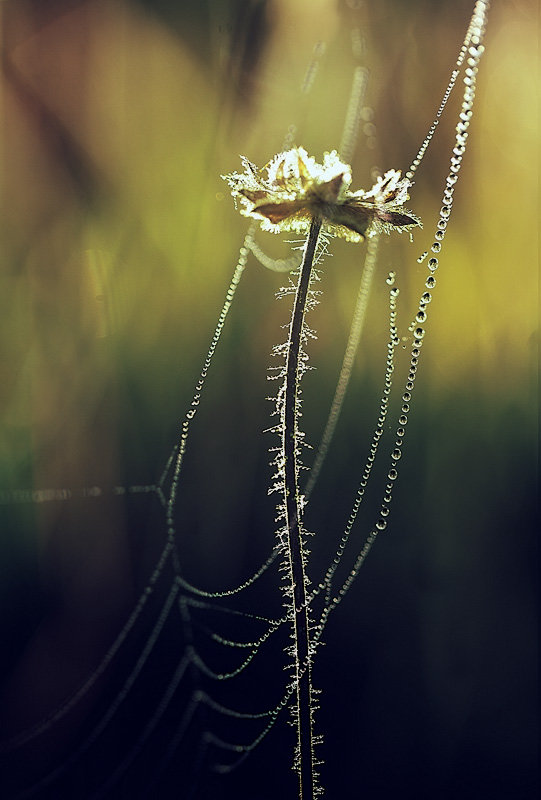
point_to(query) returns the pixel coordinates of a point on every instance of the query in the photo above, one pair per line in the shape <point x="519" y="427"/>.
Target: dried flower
<point x="297" y="188"/>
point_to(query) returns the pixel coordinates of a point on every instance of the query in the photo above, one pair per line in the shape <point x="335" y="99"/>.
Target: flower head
<point x="297" y="188"/>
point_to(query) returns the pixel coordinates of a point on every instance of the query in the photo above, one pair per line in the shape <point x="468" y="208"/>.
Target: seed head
<point x="297" y="188"/>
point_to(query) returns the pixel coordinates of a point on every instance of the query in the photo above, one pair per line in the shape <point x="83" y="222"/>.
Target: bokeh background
<point x="118" y="241"/>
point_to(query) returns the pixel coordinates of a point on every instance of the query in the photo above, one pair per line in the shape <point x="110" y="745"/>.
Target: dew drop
<point x="367" y="113"/>
<point x="427" y="297"/>
<point x="369" y="129"/>
<point x="392" y="474"/>
<point x="433" y="264"/>
<point x="436" y="247"/>
<point x="439" y="235"/>
<point x="403" y="420"/>
<point x="419" y="333"/>
<point x="390" y="278"/>
<point x="381" y="524"/>
<point x="421" y="316"/>
<point x="396" y="454"/>
<point x="430" y="282"/>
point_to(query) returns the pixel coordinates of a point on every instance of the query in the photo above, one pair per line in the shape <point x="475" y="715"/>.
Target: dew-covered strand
<point x="392" y="343"/>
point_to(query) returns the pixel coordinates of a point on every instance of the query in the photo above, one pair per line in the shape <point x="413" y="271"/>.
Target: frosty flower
<point x="297" y="188"/>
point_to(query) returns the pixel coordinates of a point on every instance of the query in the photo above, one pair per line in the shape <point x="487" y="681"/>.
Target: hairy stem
<point x="301" y="634"/>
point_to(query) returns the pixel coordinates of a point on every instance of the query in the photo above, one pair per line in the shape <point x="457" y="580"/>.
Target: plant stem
<point x="301" y="634"/>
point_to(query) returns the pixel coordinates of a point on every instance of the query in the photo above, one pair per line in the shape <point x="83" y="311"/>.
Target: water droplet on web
<point x="430" y="282"/>
<point x="433" y="264"/>
<point x="367" y="113"/>
<point x="421" y="316"/>
<point x="392" y="474"/>
<point x="390" y="278"/>
<point x="396" y="454"/>
<point x="436" y="247"/>
<point x="439" y="235"/>
<point x="369" y="129"/>
<point x="426" y="298"/>
<point x="403" y="420"/>
<point x="381" y="524"/>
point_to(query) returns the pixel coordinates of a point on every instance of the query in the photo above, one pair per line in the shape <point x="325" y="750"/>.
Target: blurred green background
<point x="118" y="241"/>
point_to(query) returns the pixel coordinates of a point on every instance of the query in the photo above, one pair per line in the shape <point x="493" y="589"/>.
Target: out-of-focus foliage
<point x="117" y="242"/>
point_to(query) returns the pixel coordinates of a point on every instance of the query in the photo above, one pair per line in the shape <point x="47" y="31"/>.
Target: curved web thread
<point x="168" y="550"/>
<point x="474" y="37"/>
<point x="279" y="265"/>
<point x="474" y="47"/>
<point x="476" y="24"/>
<point x="326" y="583"/>
<point x="116" y="704"/>
<point x="200" y="698"/>
<point x="254" y="646"/>
<point x="148" y="730"/>
<point x="65" y="494"/>
<point x="172" y="468"/>
<point x="203" y="698"/>
<point x="175" y="460"/>
<point x="42" y="726"/>
<point x="381" y="524"/>
<point x="174" y="465"/>
<point x="475" y="50"/>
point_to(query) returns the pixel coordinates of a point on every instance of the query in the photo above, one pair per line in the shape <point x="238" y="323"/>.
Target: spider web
<point x="183" y="646"/>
